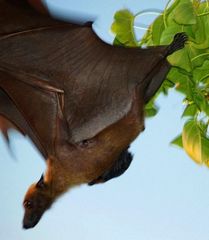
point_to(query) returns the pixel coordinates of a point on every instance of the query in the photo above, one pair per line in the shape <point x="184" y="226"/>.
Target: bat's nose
<point x="26" y="226"/>
<point x="30" y="222"/>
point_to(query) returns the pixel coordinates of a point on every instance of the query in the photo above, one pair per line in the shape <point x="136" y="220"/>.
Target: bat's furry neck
<point x="56" y="177"/>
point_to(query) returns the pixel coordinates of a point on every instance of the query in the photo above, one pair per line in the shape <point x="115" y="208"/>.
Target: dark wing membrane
<point x="17" y="16"/>
<point x="32" y="110"/>
<point x="98" y="79"/>
<point x="26" y="103"/>
<point x="5" y="126"/>
<point x="43" y="61"/>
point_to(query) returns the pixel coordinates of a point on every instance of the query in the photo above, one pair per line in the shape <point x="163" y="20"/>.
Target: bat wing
<point x="5" y="125"/>
<point x="29" y="108"/>
<point x="51" y="69"/>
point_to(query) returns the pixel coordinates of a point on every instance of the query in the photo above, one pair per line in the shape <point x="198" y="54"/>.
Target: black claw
<point x="178" y="42"/>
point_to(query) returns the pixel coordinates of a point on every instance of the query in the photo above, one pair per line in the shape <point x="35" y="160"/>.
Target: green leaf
<point x="205" y="149"/>
<point x="199" y="30"/>
<point x="157" y="29"/>
<point x="167" y="84"/>
<point x="182" y="81"/>
<point x="190" y="110"/>
<point x="170" y="12"/>
<point x="185" y="87"/>
<point x="184" y="13"/>
<point x="178" y="141"/>
<point x="180" y="59"/>
<point x="123" y="28"/>
<point x="201" y="101"/>
<point x="202" y="7"/>
<point x="116" y="42"/>
<point x="203" y="126"/>
<point x="200" y="73"/>
<point x="197" y="56"/>
<point x="175" y="75"/>
<point x="169" y="33"/>
<point x="195" y="143"/>
<point x="150" y="112"/>
<point x="151" y="109"/>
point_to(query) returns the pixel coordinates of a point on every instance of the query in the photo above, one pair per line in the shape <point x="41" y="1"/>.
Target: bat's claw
<point x="178" y="42"/>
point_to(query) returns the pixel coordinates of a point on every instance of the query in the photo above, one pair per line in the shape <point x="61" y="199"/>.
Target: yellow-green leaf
<point x="123" y="27"/>
<point x="195" y="142"/>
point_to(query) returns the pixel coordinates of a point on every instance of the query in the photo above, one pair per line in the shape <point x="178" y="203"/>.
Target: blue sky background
<point x="163" y="196"/>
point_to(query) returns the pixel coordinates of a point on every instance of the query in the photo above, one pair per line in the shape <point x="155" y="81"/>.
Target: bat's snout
<point x="30" y="222"/>
<point x="27" y="226"/>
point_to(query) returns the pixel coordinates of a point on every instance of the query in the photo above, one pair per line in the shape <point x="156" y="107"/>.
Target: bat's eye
<point x="86" y="143"/>
<point x="28" y="204"/>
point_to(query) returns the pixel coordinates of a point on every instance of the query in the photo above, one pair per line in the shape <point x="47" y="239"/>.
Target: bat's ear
<point x="40" y="183"/>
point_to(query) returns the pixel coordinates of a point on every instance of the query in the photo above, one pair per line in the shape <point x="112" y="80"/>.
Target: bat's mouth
<point x="30" y="223"/>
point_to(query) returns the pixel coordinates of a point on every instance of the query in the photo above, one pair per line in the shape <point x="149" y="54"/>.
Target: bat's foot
<point x="178" y="42"/>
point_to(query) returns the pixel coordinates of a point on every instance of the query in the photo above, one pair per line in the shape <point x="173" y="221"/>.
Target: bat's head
<point x="37" y="201"/>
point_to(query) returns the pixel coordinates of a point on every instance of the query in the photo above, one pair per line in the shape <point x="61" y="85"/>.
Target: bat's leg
<point x="178" y="43"/>
<point x="160" y="71"/>
<point x="119" y="167"/>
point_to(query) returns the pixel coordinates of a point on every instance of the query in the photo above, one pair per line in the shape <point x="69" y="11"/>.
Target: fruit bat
<point x="80" y="100"/>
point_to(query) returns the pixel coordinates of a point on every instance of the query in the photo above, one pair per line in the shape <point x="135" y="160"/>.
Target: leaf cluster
<point x="189" y="74"/>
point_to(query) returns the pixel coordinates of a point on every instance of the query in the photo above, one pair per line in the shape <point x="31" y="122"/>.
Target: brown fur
<point x="87" y="95"/>
<point x="93" y="157"/>
<point x="74" y="164"/>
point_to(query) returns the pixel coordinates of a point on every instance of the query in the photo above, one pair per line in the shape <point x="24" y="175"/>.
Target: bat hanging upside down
<point x="80" y="100"/>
